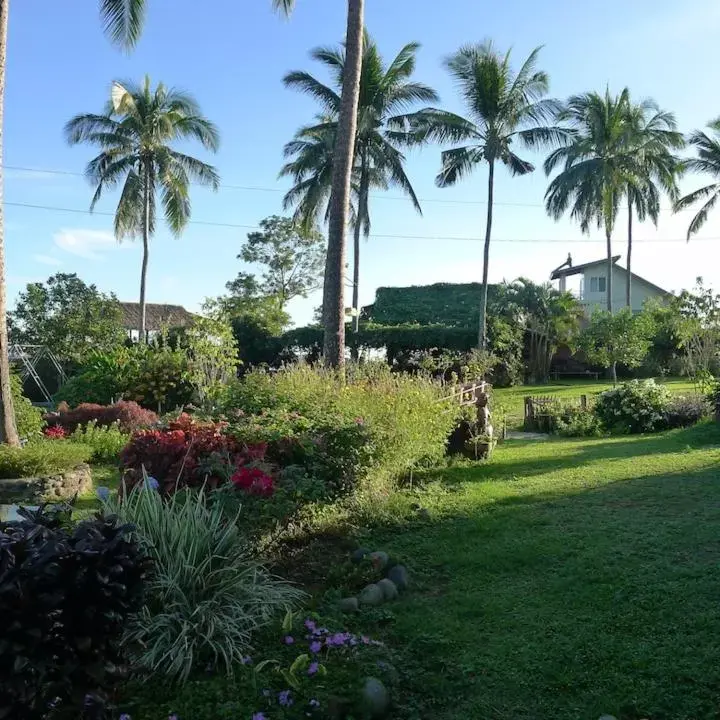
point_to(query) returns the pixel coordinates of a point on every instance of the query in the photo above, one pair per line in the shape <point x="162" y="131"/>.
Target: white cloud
<point x="90" y="244"/>
<point x="47" y="260"/>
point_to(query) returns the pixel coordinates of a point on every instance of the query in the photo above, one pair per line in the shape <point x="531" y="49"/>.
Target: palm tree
<point x="597" y="168"/>
<point x="653" y="136"/>
<point x="123" y="22"/>
<point x="708" y="161"/>
<point x="386" y="93"/>
<point x="135" y="134"/>
<point x="504" y="108"/>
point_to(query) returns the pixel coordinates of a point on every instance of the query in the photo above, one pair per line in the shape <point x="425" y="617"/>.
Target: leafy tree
<point x="707" y="161"/>
<point x="386" y="93"/>
<point x="550" y="318"/>
<point x="623" y="337"/>
<point x="135" y="134"/>
<point x="67" y="316"/>
<point x="653" y="137"/>
<point x="212" y="356"/>
<point x="504" y="108"/>
<point x="292" y="256"/>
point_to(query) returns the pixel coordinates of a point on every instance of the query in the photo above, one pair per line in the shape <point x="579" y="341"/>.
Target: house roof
<point x="157" y="316"/>
<point x="577" y="269"/>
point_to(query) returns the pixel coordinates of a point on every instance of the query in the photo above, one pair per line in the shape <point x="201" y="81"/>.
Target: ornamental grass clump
<point x="207" y="595"/>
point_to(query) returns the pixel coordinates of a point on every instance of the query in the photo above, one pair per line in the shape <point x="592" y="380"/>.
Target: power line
<point x="374" y="196"/>
<point x="435" y="238"/>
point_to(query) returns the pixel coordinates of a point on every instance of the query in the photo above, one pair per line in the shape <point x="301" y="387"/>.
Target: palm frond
<point x="515" y="164"/>
<point x="306" y="83"/>
<point x="284" y="6"/>
<point x="457" y="163"/>
<point x="123" y="20"/>
<point x="699" y="220"/>
<point x="82" y="128"/>
<point x="129" y="214"/>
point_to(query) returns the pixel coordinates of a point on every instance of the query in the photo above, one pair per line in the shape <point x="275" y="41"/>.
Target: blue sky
<point x="232" y="54"/>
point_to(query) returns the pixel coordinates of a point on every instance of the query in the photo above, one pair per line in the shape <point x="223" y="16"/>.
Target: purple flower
<point x="151" y="483"/>
<point x="310" y="625"/>
<point x="125" y="716"/>
<point x="315" y="647"/>
<point x="365" y="639"/>
<point x="247" y="660"/>
<point x="103" y="494"/>
<point x="314" y="667"/>
<point x="314" y="703"/>
<point x="258" y="716"/>
<point x="266" y="693"/>
<point x="173" y="716"/>
<point x="284" y="698"/>
<point x="289" y="639"/>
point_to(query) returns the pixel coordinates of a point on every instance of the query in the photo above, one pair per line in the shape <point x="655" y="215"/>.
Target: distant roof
<point x="157" y="316"/>
<point x="576" y="269"/>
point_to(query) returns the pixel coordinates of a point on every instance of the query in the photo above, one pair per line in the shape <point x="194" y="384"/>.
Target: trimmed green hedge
<point x="43" y="457"/>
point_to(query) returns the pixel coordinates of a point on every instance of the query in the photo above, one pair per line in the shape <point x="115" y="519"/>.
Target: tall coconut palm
<point x="123" y="22"/>
<point x="135" y="134"/>
<point x="386" y="94"/>
<point x="653" y="137"/>
<point x="505" y="109"/>
<point x="596" y="167"/>
<point x="707" y="161"/>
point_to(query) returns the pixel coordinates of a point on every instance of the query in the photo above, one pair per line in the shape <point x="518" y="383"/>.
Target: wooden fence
<point x="539" y="411"/>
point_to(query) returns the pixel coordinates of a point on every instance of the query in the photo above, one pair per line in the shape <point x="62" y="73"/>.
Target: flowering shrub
<point x="253" y="480"/>
<point x="637" y="406"/>
<point x="127" y="416"/>
<point x="55" y="432"/>
<point x="186" y="452"/>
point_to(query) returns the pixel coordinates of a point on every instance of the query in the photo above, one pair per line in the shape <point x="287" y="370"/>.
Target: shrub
<point x="686" y="411"/>
<point x="41" y="458"/>
<point x="28" y="418"/>
<point x="633" y="407"/>
<point x="127" y="416"/>
<point x="66" y="594"/>
<point x="106" y="442"/>
<point x="207" y="596"/>
<point x="186" y="452"/>
<point x="377" y="426"/>
<point x="574" y="421"/>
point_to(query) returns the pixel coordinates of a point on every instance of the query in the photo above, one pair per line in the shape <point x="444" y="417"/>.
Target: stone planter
<point x="54" y="488"/>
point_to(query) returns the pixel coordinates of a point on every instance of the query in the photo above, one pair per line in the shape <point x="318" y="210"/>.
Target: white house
<point x="592" y="288"/>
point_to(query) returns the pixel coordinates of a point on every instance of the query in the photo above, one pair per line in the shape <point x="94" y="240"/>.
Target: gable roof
<point x="577" y="269"/>
<point x="158" y="316"/>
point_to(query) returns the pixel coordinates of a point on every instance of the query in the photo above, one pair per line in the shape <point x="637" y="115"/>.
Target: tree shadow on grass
<point x="556" y="454"/>
<point x="568" y="605"/>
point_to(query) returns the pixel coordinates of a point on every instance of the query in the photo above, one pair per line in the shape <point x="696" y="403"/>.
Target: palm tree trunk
<point x="334" y="286"/>
<point x="628" y="289"/>
<point x="482" y="339"/>
<point x="609" y="283"/>
<point x="146" y="252"/>
<point x="361" y="217"/>
<point x="8" y="429"/>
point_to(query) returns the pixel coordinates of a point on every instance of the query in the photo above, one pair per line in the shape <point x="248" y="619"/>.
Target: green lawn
<point x="510" y="400"/>
<point x="567" y="579"/>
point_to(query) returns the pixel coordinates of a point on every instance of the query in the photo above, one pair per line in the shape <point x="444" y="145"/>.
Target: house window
<point x="597" y="284"/>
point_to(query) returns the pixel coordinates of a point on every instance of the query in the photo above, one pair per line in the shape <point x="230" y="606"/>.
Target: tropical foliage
<point x="506" y="109"/>
<point x="135" y="133"/>
<point x="707" y="162"/>
<point x="386" y="94"/>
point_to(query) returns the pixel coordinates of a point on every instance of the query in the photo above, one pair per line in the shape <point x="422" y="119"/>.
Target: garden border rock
<point x="52" y="488"/>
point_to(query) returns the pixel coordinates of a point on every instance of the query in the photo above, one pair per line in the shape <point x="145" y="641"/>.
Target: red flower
<point x="254" y="481"/>
<point x="57" y="432"/>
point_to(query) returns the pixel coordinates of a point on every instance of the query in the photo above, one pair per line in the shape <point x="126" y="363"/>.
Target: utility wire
<point x="436" y="238"/>
<point x="374" y="196"/>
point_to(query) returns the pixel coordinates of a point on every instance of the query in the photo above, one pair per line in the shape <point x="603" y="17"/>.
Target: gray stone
<point x="399" y="575"/>
<point x="63" y="486"/>
<point x="389" y="588"/>
<point x="379" y="559"/>
<point x="375" y="697"/>
<point x="372" y="595"/>
<point x="359" y="555"/>
<point x="349" y="605"/>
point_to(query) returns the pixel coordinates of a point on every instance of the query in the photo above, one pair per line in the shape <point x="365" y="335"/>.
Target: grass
<point x="567" y="579"/>
<point x="102" y="476"/>
<point x="510" y="400"/>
